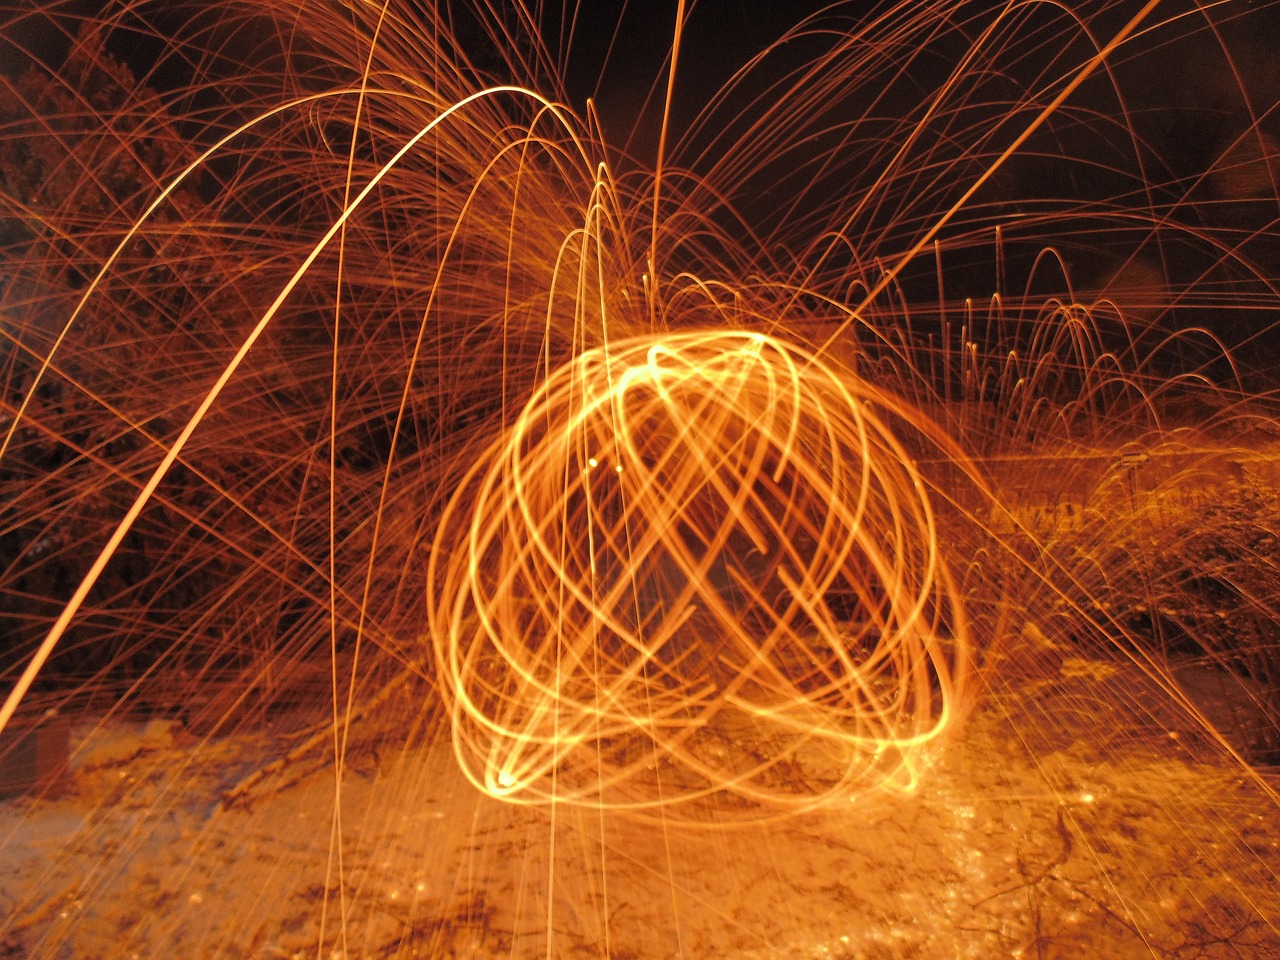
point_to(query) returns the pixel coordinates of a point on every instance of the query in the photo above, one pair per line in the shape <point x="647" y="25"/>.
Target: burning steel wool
<point x="692" y="562"/>
<point x="682" y="479"/>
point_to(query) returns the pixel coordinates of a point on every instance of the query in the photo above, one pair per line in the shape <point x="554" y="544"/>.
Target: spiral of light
<point x="698" y="568"/>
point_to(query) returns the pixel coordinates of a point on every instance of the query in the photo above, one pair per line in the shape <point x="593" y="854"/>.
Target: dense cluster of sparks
<point x="692" y="559"/>
<point x="695" y="461"/>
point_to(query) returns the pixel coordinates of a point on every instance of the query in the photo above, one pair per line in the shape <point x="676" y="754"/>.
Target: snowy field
<point x="1044" y="843"/>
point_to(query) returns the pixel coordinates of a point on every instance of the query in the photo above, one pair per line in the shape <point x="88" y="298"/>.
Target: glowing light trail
<point x="696" y="566"/>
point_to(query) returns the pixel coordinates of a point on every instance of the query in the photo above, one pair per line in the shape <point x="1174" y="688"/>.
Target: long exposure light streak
<point x="703" y="557"/>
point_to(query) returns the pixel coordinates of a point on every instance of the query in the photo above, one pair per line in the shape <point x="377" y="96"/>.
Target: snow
<point x="1021" y="837"/>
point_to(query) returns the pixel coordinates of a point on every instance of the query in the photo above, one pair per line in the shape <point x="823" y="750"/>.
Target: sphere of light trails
<point x="699" y="572"/>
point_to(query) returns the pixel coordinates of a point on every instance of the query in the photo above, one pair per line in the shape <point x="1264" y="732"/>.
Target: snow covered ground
<point x="1032" y="834"/>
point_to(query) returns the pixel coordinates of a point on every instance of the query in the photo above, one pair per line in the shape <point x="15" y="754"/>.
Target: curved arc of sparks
<point x="652" y="430"/>
<point x="891" y="273"/>
<point x="72" y="607"/>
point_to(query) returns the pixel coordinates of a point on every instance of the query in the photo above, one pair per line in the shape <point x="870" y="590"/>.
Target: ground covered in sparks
<point x="164" y="845"/>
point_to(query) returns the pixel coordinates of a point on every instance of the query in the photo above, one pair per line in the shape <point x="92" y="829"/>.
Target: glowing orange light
<point x="750" y="606"/>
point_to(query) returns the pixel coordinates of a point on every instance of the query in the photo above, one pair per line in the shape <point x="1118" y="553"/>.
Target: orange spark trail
<point x="693" y="565"/>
